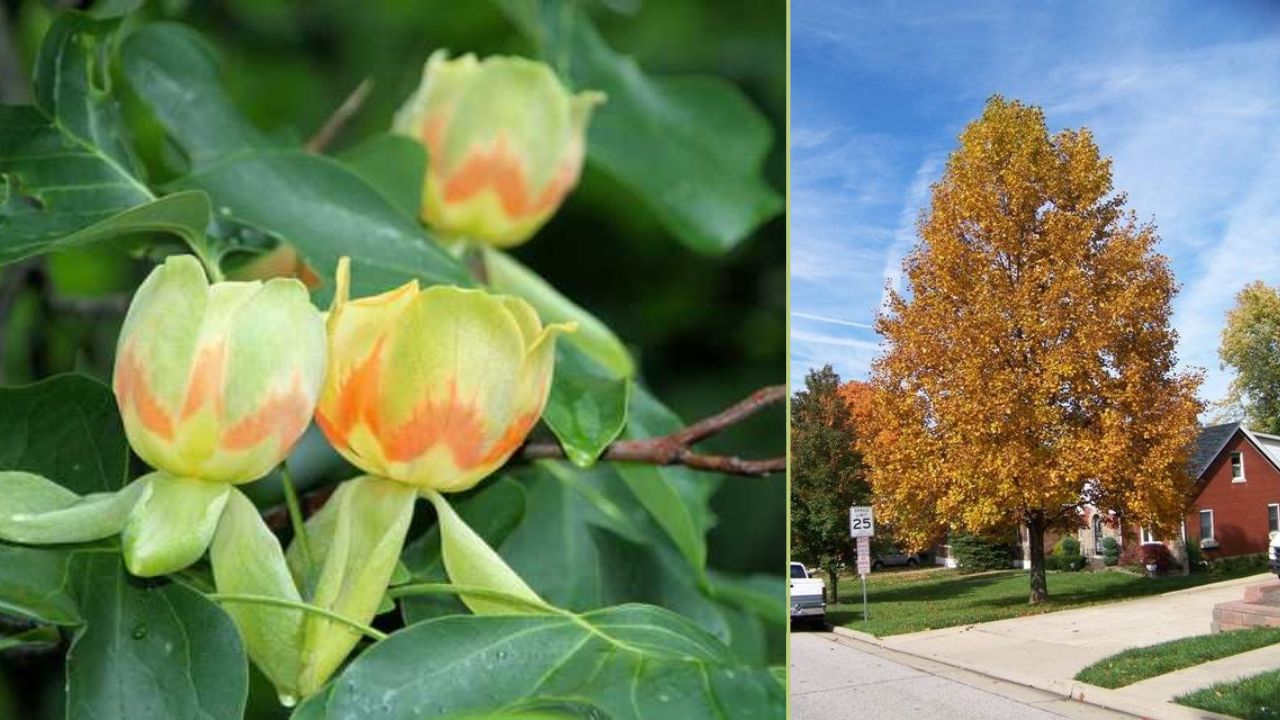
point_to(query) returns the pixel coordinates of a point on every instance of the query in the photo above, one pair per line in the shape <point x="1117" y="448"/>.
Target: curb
<point x="1073" y="690"/>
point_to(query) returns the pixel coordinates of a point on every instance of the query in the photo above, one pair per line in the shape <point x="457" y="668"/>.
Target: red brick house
<point x="1235" y="501"/>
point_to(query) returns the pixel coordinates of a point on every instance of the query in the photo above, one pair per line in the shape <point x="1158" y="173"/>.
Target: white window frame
<point x="1237" y="478"/>
<point x="1213" y="530"/>
<point x="1148" y="538"/>
<point x="1277" y="507"/>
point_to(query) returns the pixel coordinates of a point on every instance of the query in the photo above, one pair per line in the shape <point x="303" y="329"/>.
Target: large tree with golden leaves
<point x="1029" y="367"/>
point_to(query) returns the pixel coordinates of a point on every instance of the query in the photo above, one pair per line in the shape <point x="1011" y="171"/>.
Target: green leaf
<point x="67" y="429"/>
<point x="632" y="661"/>
<point x="42" y="635"/>
<point x="34" y="584"/>
<point x="247" y="559"/>
<point x="691" y="147"/>
<point x="507" y="275"/>
<point x="676" y="497"/>
<point x="469" y="560"/>
<point x="172" y="524"/>
<point x="326" y="211"/>
<point x="492" y="512"/>
<point x="150" y="650"/>
<point x="392" y="164"/>
<point x="67" y="175"/>
<point x="38" y="511"/>
<point x="177" y="75"/>
<point x="587" y="407"/>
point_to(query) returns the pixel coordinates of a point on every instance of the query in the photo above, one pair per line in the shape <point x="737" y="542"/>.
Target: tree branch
<point x="338" y="120"/>
<point x="674" y="449"/>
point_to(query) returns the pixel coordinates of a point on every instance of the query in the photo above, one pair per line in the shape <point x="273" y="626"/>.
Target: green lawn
<point x="912" y="600"/>
<point x="1253" y="698"/>
<point x="1136" y="664"/>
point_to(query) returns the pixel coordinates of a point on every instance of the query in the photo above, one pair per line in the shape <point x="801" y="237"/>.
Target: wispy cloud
<point x="832" y="320"/>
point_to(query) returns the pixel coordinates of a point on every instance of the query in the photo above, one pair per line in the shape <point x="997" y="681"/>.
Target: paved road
<point x="838" y="678"/>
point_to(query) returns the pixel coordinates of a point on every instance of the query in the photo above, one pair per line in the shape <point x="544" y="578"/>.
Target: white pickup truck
<point x="808" y="596"/>
<point x="1274" y="559"/>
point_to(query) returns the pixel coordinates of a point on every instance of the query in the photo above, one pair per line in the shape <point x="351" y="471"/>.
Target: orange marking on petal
<point x="133" y="391"/>
<point x="356" y="401"/>
<point x="283" y="415"/>
<point x="511" y="439"/>
<point x="206" y="381"/>
<point x="433" y="134"/>
<point x="501" y="171"/>
<point x="450" y="422"/>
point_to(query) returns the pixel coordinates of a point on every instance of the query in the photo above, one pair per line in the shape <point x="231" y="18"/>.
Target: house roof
<point x="1208" y="444"/>
<point x="1212" y="440"/>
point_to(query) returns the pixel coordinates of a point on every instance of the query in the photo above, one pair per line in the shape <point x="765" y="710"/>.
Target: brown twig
<point x="338" y="120"/>
<point x="674" y="449"/>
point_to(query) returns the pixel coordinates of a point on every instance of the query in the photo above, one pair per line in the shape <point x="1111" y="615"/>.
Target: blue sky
<point x="1184" y="97"/>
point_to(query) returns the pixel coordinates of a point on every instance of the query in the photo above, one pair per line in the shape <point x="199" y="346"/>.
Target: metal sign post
<point x="862" y="526"/>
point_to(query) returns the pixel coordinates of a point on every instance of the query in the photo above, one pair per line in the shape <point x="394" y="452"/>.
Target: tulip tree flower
<point x="505" y="143"/>
<point x="215" y="384"/>
<point x="428" y="391"/>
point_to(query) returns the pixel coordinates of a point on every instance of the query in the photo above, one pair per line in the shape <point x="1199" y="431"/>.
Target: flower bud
<point x="505" y="143"/>
<point x="436" y="387"/>
<point x="217" y="382"/>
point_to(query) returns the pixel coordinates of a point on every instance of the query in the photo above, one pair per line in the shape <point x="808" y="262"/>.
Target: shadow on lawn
<point x="942" y="589"/>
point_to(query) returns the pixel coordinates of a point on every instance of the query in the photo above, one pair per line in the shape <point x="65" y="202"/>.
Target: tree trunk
<point x="1035" y="535"/>
<point x="831" y="583"/>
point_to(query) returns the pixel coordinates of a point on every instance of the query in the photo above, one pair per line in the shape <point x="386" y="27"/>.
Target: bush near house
<point x="1158" y="554"/>
<point x="1239" y="565"/>
<point x="1195" y="556"/>
<point x="974" y="553"/>
<point x="1066" y="556"/>
<point x="1110" y="552"/>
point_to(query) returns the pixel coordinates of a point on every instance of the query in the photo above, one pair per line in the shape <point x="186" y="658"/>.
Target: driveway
<point x="838" y="678"/>
<point x="1046" y="651"/>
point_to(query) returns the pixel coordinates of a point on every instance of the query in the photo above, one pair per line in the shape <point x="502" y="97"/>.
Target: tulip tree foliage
<point x="1251" y="346"/>
<point x="1029" y="364"/>
<point x="367" y="301"/>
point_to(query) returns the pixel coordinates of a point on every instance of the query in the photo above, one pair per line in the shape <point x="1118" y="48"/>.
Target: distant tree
<point x="827" y="474"/>
<point x="1030" y="367"/>
<point x="1251" y="347"/>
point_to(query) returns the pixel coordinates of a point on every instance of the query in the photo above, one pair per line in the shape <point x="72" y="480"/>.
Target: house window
<point x="1147" y="537"/>
<point x="1097" y="534"/>
<point x="1206" y="525"/>
<point x="1237" y="467"/>
<point x="1273" y="517"/>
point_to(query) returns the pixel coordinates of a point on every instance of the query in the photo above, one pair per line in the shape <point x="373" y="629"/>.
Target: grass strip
<point x="1136" y="664"/>
<point x="1254" y="698"/>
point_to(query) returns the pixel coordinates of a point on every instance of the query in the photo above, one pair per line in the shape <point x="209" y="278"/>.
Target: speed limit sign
<point x="861" y="523"/>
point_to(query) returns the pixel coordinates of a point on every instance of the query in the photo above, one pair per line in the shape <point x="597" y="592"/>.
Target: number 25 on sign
<point x="861" y="523"/>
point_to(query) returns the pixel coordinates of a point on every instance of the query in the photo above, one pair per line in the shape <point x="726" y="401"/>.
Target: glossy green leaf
<point x="632" y="662"/>
<point x="177" y="75"/>
<point x="38" y="511"/>
<point x="43" y="635"/>
<point x="34" y="583"/>
<point x="394" y="165"/>
<point x="469" y="560"/>
<point x="691" y="147"/>
<point x="172" y="523"/>
<point x="676" y="497"/>
<point x="492" y="511"/>
<point x="150" y="650"/>
<point x="67" y="429"/>
<point x="587" y="407"/>
<point x="326" y="211"/>
<point x="507" y="275"/>
<point x="248" y="560"/>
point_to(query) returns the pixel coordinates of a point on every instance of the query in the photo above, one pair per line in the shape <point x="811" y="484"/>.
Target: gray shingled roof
<point x="1209" y="443"/>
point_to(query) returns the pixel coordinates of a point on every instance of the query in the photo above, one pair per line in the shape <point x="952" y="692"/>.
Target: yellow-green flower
<point x="505" y="143"/>
<point x="217" y="382"/>
<point x="436" y="387"/>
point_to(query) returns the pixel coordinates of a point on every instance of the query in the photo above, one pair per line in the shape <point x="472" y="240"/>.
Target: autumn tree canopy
<point x="1251" y="347"/>
<point x="827" y="473"/>
<point x="1029" y="366"/>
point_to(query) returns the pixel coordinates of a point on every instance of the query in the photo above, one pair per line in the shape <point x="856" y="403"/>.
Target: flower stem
<point x="295" y="605"/>
<point x="295" y="512"/>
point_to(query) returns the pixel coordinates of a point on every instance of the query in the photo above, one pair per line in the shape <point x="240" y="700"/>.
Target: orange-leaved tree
<point x="1029" y="368"/>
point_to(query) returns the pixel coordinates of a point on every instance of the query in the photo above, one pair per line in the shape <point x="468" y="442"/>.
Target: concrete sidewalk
<point x="1046" y="651"/>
